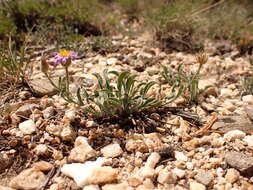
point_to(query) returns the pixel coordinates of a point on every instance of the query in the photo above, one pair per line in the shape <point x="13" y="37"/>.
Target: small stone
<point x="232" y="175"/>
<point x="249" y="140"/>
<point x="111" y="151"/>
<point x="134" y="182"/>
<point x="54" y="130"/>
<point x="43" y="166"/>
<point x="48" y="112"/>
<point x="112" y="61"/>
<point x="82" y="150"/>
<point x="179" y="172"/>
<point x="28" y="179"/>
<point x="226" y="92"/>
<point x="136" y="145"/>
<point x="103" y="175"/>
<point x="91" y="123"/>
<point x="41" y="149"/>
<point x="6" y="188"/>
<point x="152" y="160"/>
<point x="180" y="156"/>
<point x="57" y="155"/>
<point x="240" y="161"/>
<point x="165" y="176"/>
<point x="153" y="141"/>
<point x="91" y="187"/>
<point x="54" y="187"/>
<point x="67" y="133"/>
<point x="120" y="186"/>
<point x="217" y="142"/>
<point x="197" y="186"/>
<point x="26" y="110"/>
<point x="147" y="172"/>
<point x="5" y="161"/>
<point x="234" y="134"/>
<point x="27" y="127"/>
<point x="209" y="87"/>
<point x="248" y="99"/>
<point x="70" y="114"/>
<point x="204" y="177"/>
<point x="148" y="183"/>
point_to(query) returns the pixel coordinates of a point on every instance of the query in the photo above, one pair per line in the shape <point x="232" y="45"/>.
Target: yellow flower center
<point x="64" y="53"/>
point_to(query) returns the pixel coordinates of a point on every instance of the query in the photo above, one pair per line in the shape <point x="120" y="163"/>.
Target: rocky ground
<point x="47" y="144"/>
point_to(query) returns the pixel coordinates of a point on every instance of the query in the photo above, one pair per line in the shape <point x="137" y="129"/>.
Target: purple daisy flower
<point x="63" y="56"/>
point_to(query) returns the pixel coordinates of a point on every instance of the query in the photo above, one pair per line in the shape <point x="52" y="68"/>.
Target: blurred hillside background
<point x="175" y="24"/>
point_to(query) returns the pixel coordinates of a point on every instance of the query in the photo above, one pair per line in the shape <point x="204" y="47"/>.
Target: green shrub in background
<point x="13" y="62"/>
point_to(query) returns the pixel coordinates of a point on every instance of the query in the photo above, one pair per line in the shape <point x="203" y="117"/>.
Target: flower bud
<point x="202" y="58"/>
<point x="68" y="63"/>
<point x="44" y="65"/>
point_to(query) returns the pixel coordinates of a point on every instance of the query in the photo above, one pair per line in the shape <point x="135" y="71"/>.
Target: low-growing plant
<point x="247" y="82"/>
<point x="118" y="94"/>
<point x="122" y="98"/>
<point x="188" y="83"/>
<point x="14" y="62"/>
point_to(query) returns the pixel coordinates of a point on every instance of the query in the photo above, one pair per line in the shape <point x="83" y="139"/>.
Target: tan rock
<point x="28" y="179"/>
<point x="41" y="149"/>
<point x="210" y="87"/>
<point x="166" y="177"/>
<point x="232" y="175"/>
<point x="197" y="186"/>
<point x="119" y="186"/>
<point x="6" y="188"/>
<point x="103" y="175"/>
<point x="134" y="182"/>
<point x="91" y="187"/>
<point x="111" y="151"/>
<point x="43" y="166"/>
<point x="136" y="145"/>
<point x="82" y="150"/>
<point x="67" y="133"/>
<point x="54" y="130"/>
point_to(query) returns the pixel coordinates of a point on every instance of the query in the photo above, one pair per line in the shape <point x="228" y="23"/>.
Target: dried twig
<point x="49" y="176"/>
<point x="204" y="129"/>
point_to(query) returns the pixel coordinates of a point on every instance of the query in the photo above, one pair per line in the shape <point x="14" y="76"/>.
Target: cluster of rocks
<point x="221" y="159"/>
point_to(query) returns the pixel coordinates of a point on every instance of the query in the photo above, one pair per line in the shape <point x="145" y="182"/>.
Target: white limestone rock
<point x="81" y="172"/>
<point x="27" y="127"/>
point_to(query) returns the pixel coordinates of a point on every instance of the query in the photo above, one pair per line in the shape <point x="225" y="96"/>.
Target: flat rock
<point x="42" y="87"/>
<point x="204" y="177"/>
<point x="240" y="161"/>
<point x="28" y="179"/>
<point x="229" y="123"/>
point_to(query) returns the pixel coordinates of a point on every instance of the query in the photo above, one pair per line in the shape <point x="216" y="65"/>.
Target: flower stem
<point x="67" y="79"/>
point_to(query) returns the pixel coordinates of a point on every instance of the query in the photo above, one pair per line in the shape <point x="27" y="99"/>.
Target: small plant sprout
<point x="187" y="83"/>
